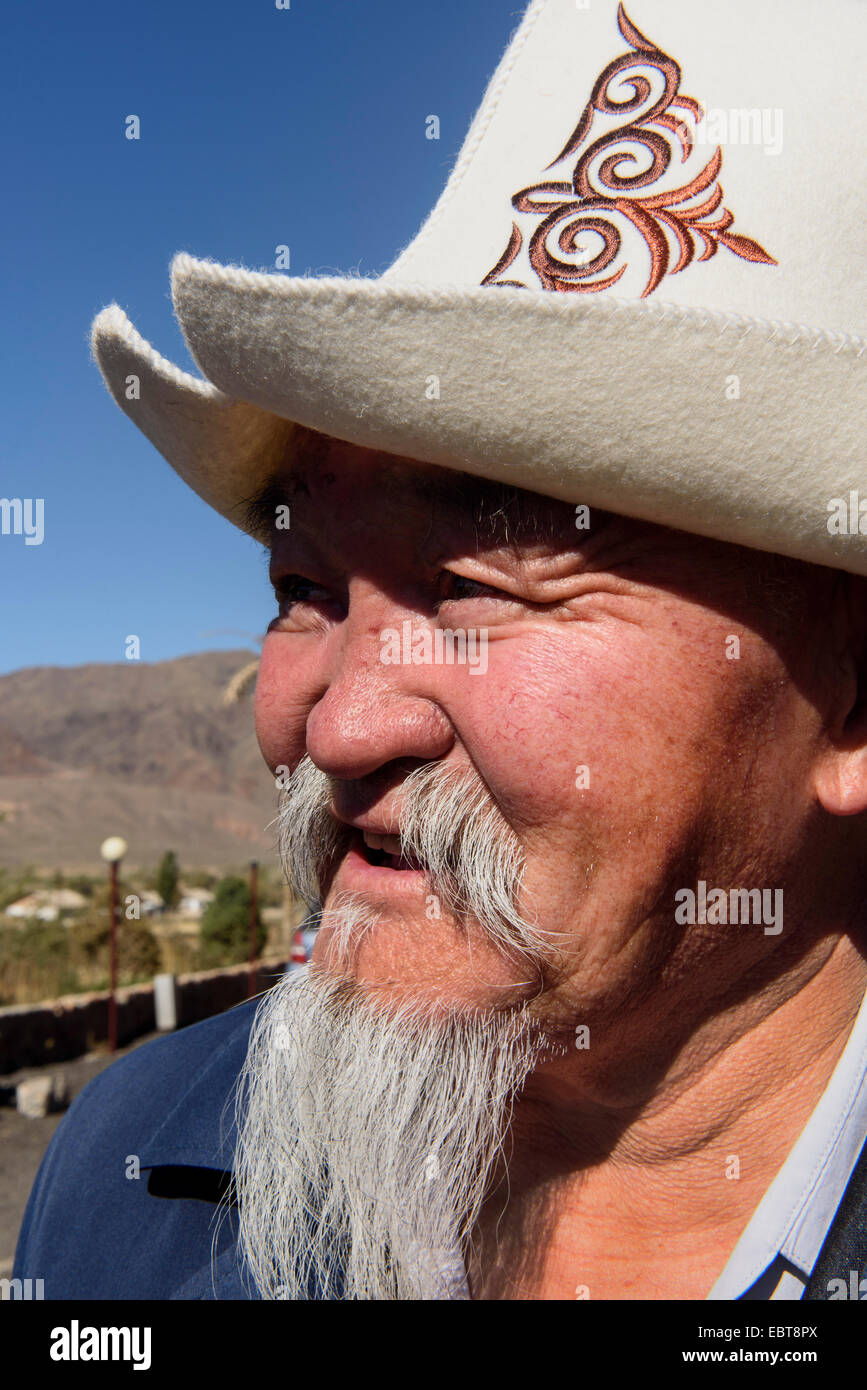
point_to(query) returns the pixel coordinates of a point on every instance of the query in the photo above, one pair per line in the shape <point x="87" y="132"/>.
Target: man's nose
<point x="372" y="712"/>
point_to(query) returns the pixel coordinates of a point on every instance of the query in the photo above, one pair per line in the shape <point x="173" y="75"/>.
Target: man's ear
<point x="841" y="776"/>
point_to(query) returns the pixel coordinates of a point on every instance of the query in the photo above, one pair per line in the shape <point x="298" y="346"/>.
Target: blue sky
<point x="259" y="127"/>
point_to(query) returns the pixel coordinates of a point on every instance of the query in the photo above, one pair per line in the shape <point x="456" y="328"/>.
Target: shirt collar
<point x="796" y="1212"/>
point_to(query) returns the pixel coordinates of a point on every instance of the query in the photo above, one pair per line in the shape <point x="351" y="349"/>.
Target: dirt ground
<point x="23" y="1141"/>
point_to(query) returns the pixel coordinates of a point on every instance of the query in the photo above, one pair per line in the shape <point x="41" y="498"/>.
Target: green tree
<point x="226" y="924"/>
<point x="167" y="879"/>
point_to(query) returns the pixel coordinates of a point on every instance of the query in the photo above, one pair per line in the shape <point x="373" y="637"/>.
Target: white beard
<point x="369" y="1137"/>
<point x="370" y="1130"/>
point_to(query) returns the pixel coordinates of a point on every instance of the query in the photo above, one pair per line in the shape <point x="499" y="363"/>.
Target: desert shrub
<point x="138" y="951"/>
<point x="181" y="954"/>
<point x="35" y="963"/>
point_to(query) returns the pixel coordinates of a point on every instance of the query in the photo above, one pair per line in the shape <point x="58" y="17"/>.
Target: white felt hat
<point x="643" y="288"/>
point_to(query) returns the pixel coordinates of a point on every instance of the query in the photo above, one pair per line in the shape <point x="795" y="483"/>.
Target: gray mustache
<point x="449" y="825"/>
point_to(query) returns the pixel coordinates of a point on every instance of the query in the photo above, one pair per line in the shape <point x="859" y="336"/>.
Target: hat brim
<point x="721" y="425"/>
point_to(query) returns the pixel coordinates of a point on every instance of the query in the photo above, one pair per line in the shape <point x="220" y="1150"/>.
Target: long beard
<point x="370" y="1130"/>
<point x="369" y="1137"/>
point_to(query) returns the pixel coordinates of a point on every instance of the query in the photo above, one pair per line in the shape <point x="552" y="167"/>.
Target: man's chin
<point x="398" y="951"/>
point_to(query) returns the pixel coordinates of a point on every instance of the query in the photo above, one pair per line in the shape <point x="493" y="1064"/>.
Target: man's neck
<point x="647" y="1196"/>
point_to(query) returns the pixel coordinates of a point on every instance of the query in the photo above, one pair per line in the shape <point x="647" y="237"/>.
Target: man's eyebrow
<point x="499" y="514"/>
<point x="260" y="511"/>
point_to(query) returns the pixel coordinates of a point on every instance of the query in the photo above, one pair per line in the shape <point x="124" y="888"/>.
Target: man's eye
<point x="454" y="587"/>
<point x="294" y="588"/>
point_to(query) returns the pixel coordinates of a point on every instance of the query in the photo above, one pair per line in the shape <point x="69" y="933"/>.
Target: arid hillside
<point x="146" y="751"/>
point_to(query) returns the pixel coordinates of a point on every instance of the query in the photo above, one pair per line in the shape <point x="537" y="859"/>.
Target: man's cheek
<point x="280" y="715"/>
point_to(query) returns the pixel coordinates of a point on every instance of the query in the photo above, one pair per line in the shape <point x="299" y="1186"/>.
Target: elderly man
<point x="566" y="700"/>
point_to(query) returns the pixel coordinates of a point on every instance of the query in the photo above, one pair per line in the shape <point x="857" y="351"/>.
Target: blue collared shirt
<point x="127" y="1201"/>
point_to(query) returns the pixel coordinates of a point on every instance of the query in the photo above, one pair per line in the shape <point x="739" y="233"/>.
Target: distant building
<point x="151" y="903"/>
<point x="47" y="905"/>
<point x="194" y="901"/>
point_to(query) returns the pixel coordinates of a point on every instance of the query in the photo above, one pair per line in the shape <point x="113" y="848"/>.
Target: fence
<point x="57" y="1030"/>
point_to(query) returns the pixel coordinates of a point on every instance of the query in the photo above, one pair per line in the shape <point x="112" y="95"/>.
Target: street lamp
<point x="113" y="850"/>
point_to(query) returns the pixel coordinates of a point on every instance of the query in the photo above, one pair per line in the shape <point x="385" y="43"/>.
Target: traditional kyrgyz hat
<point x="643" y="288"/>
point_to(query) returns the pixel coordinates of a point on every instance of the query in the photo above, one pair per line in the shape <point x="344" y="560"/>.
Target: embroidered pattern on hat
<point x="569" y="208"/>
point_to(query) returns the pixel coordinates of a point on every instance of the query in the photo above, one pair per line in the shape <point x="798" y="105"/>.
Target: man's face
<point x="630" y="745"/>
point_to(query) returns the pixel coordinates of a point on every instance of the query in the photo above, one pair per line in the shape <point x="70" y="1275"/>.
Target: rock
<point x="33" y="1097"/>
<point x="59" y="1091"/>
<point x="39" y="1095"/>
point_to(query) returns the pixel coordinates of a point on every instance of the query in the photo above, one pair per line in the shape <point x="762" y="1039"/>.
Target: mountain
<point x="146" y="751"/>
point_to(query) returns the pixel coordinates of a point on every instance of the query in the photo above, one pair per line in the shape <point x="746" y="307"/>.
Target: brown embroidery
<point x="569" y="208"/>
